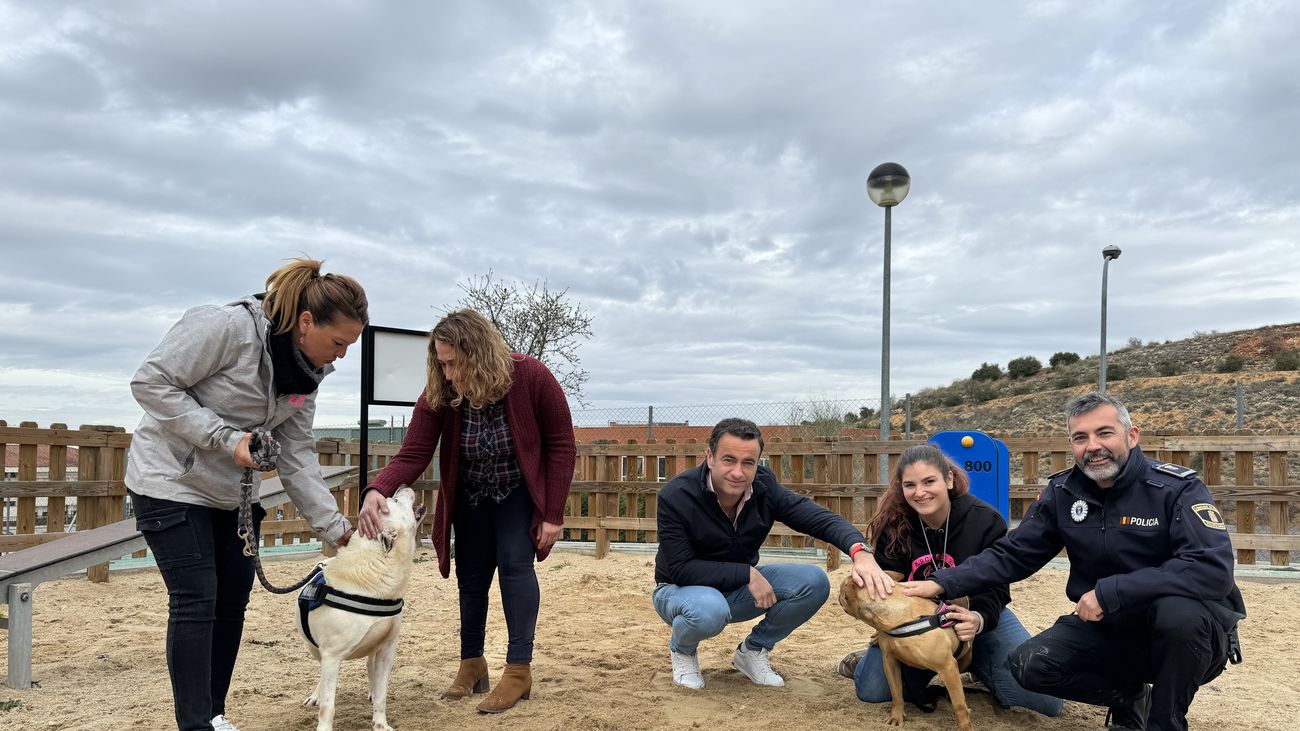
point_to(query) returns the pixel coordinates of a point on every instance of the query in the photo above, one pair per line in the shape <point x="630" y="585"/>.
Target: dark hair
<point x="299" y="287"/>
<point x="1081" y="405"/>
<point x="894" y="517"/>
<point x="736" y="427"/>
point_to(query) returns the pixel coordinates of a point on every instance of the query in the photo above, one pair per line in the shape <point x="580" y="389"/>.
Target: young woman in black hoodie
<point x="928" y="520"/>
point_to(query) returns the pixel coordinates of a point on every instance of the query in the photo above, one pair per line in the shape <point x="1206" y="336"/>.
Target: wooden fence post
<point x="1029" y="475"/>
<point x="1277" y="517"/>
<point x="652" y="499"/>
<point x="26" y="518"/>
<point x="1245" y="468"/>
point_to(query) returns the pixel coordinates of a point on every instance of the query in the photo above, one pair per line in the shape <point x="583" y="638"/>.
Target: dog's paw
<point x="383" y="726"/>
<point x="311" y="700"/>
<point x="895" y="719"/>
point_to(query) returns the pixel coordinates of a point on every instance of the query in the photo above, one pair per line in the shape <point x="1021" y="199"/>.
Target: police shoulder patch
<point x="1179" y="471"/>
<point x="1209" y="515"/>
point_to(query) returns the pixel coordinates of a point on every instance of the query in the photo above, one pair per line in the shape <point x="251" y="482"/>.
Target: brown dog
<point x="936" y="650"/>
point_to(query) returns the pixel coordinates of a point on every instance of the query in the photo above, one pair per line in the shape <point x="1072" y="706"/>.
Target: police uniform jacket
<point x="1154" y="533"/>
<point x="700" y="546"/>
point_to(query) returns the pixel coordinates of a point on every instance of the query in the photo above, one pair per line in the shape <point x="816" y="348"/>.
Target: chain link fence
<point x="1267" y="402"/>
<point x="808" y="419"/>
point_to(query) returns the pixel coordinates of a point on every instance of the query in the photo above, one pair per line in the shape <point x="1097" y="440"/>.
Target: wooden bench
<point x="22" y="571"/>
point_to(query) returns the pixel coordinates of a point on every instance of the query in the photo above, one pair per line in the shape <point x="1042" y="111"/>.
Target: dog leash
<point x="265" y="451"/>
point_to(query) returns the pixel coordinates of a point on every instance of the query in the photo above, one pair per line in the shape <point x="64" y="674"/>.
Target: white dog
<point x="357" y="613"/>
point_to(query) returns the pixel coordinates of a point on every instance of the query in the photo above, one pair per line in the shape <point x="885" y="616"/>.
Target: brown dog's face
<point x="857" y="603"/>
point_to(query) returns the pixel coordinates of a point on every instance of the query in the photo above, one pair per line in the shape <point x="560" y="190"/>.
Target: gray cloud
<point x="693" y="173"/>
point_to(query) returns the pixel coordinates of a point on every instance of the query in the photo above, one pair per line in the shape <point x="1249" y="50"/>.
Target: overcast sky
<point x="692" y="172"/>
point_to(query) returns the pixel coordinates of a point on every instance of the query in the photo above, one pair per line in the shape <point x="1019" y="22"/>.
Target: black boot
<point x="1131" y="714"/>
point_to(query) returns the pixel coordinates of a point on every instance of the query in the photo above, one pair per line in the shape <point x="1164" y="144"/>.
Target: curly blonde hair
<point x="482" y="358"/>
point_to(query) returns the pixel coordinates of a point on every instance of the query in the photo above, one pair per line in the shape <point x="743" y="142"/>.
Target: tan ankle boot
<point x="472" y="677"/>
<point x="516" y="683"/>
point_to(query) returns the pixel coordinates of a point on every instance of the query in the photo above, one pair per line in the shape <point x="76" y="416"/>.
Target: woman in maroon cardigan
<point x="506" y="464"/>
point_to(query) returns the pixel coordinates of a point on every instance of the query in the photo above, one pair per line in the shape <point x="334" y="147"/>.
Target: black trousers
<point x="494" y="537"/>
<point x="1174" y="643"/>
<point x="208" y="579"/>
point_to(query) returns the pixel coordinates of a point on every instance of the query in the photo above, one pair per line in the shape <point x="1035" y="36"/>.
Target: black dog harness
<point x="317" y="593"/>
<point x="921" y="625"/>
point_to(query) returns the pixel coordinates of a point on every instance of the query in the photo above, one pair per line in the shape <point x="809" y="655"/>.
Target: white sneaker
<point x="219" y="723"/>
<point x="753" y="664"/>
<point x="686" y="670"/>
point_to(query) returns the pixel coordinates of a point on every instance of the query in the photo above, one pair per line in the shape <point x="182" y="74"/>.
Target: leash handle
<point x="246" y="529"/>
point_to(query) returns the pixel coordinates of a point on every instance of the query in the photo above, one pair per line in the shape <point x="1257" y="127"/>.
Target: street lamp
<point x="1107" y="254"/>
<point x="887" y="186"/>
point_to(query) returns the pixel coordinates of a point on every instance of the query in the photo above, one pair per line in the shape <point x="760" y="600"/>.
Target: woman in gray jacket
<point x="217" y="374"/>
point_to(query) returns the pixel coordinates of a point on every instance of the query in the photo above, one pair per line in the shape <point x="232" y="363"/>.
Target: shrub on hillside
<point x="1024" y="366"/>
<point x="1273" y="344"/>
<point x="1116" y="372"/>
<point x="1287" y="360"/>
<point x="978" y="392"/>
<point x="1167" y="368"/>
<point x="1231" y="364"/>
<point x="1060" y="359"/>
<point x="987" y="372"/>
<point x="1067" y="379"/>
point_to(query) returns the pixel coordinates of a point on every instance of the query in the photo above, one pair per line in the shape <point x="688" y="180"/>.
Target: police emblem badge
<point x="1078" y="511"/>
<point x="1209" y="515"/>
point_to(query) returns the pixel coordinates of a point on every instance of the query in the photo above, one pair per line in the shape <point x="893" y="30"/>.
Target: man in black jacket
<point x="1150" y="572"/>
<point x="712" y="519"/>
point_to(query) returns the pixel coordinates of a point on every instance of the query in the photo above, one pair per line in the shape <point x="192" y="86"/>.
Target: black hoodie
<point x="973" y="525"/>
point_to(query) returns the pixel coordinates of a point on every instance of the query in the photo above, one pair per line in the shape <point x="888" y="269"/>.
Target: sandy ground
<point x="601" y="662"/>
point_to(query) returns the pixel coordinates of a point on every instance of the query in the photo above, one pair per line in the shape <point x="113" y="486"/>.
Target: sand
<point x="601" y="662"/>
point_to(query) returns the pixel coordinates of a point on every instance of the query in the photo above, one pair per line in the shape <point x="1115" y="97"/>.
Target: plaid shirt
<point x="488" y="464"/>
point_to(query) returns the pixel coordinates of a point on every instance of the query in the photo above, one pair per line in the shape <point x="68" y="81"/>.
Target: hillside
<point x="1195" y="397"/>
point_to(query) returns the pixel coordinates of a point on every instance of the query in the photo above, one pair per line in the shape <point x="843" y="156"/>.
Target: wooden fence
<point x="99" y="488"/>
<point x="1250" y="475"/>
<point x="612" y="499"/>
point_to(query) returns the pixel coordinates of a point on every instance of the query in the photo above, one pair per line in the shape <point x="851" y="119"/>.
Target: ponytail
<point x="299" y="287"/>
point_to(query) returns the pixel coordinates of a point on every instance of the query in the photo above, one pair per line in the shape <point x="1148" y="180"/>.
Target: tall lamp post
<point x="1107" y="254"/>
<point x="887" y="186"/>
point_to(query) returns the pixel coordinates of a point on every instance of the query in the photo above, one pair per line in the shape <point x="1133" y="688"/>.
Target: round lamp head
<point x="1110" y="252"/>
<point x="888" y="184"/>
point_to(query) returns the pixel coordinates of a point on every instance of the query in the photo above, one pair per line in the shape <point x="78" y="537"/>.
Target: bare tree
<point x="537" y="321"/>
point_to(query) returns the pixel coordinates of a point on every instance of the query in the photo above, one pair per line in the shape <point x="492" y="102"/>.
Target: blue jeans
<point x="494" y="538"/>
<point x="699" y="612"/>
<point x="988" y="665"/>
<point x="208" y="581"/>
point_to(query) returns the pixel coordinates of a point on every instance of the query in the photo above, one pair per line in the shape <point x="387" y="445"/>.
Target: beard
<point x="1103" y="472"/>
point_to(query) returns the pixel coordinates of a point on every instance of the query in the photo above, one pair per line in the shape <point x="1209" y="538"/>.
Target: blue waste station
<point x="986" y="460"/>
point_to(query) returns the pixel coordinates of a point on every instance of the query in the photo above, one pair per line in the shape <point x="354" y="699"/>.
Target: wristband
<point x="857" y="548"/>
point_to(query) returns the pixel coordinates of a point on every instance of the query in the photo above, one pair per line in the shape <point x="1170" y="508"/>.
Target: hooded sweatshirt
<point x="973" y="525"/>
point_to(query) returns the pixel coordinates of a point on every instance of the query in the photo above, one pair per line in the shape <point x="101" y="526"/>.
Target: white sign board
<point x="400" y="362"/>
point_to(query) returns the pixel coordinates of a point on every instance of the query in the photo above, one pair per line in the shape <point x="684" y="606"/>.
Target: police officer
<point x="1150" y="572"/>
